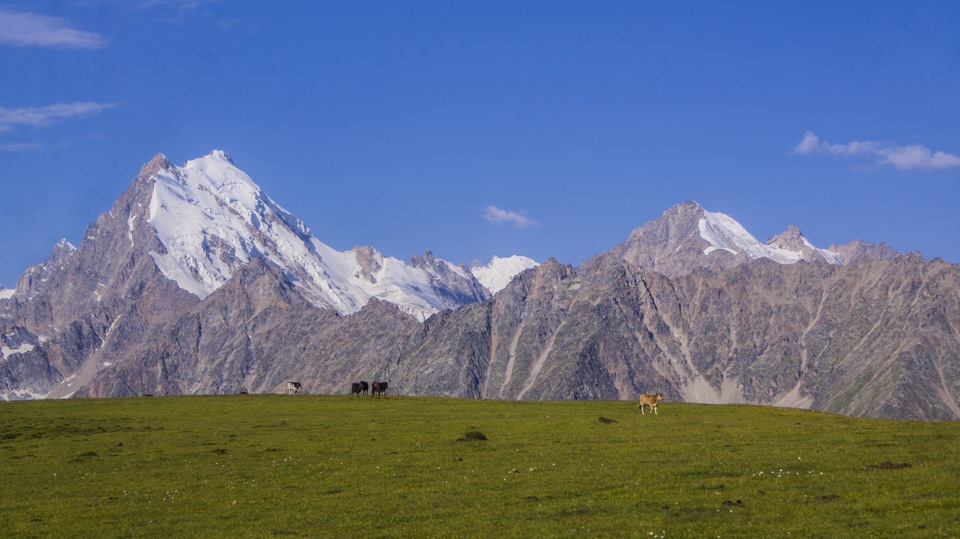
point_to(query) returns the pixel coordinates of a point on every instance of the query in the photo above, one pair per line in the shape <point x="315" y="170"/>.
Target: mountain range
<point x="196" y="282"/>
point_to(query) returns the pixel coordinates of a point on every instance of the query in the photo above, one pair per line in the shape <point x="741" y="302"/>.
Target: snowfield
<point x="500" y="271"/>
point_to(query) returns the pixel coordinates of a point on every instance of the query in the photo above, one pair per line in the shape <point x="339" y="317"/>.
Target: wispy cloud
<point x="182" y="5"/>
<point x="518" y="219"/>
<point x="178" y="5"/>
<point x="34" y="30"/>
<point x="167" y="11"/>
<point x="40" y="116"/>
<point x="19" y="146"/>
<point x="914" y="156"/>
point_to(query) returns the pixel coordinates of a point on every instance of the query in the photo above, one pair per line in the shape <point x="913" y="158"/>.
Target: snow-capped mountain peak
<point x="793" y="241"/>
<point x="212" y="218"/>
<point x="687" y="237"/>
<point x="723" y="232"/>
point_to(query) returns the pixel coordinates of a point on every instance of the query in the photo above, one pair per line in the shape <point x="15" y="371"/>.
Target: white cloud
<point x="38" y="116"/>
<point x="918" y="156"/>
<point x="31" y="29"/>
<point x="518" y="219"/>
<point x="915" y="156"/>
<point x="809" y="144"/>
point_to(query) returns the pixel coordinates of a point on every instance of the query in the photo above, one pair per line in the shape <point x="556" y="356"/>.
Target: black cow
<point x="355" y="389"/>
<point x="365" y="387"/>
<point x="377" y="389"/>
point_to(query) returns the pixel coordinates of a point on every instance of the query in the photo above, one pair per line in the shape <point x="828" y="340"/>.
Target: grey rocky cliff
<point x="86" y="306"/>
<point x="255" y="334"/>
<point x="839" y="339"/>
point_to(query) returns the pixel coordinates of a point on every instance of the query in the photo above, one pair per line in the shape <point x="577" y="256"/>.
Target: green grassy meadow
<point x="304" y="465"/>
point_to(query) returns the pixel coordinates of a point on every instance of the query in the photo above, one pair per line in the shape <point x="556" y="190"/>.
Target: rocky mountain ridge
<point x="690" y="304"/>
<point x="874" y="338"/>
<point x="687" y="237"/>
<point x="171" y="239"/>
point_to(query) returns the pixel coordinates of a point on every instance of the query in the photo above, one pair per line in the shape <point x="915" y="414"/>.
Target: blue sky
<point x="544" y="128"/>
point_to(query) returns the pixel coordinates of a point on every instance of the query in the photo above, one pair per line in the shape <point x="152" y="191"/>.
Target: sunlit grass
<point x="280" y="465"/>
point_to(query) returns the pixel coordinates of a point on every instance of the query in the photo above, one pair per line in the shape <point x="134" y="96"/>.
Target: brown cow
<point x="652" y="401"/>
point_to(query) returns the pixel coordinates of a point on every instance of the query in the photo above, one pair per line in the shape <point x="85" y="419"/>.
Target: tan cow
<point x="652" y="401"/>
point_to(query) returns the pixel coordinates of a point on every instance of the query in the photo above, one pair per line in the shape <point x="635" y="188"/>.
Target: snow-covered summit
<point x="686" y="237"/>
<point x="212" y="218"/>
<point x="496" y="274"/>
<point x="723" y="232"/>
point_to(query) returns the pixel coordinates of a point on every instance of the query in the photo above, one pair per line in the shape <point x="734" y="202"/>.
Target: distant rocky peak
<point x="439" y="267"/>
<point x="688" y="207"/>
<point x="427" y="259"/>
<point x="158" y="163"/>
<point x="62" y="248"/>
<point x="687" y="237"/>
<point x="857" y="250"/>
<point x="36" y="278"/>
<point x="791" y="238"/>
<point x="679" y="217"/>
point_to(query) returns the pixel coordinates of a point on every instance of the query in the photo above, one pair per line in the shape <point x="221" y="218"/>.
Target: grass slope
<point x="276" y="465"/>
